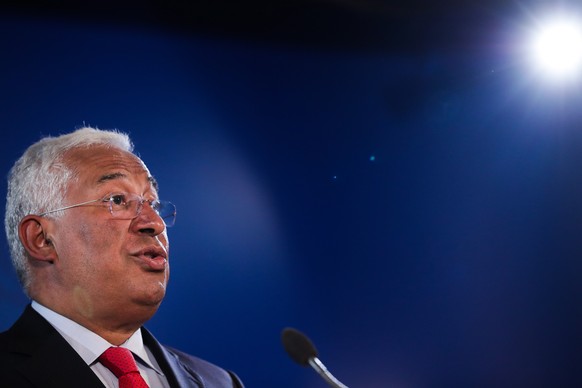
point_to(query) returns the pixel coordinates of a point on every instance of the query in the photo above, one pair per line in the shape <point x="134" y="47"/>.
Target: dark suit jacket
<point x="34" y="354"/>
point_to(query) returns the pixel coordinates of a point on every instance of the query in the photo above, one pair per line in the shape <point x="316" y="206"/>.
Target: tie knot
<point x="119" y="361"/>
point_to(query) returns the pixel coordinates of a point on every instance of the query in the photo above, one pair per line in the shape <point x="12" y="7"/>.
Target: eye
<point x="117" y="199"/>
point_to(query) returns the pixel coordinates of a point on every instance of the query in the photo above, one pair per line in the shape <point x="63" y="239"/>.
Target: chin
<point x="155" y="296"/>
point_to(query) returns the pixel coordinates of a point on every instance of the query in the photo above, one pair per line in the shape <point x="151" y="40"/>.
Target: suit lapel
<point x="58" y="365"/>
<point x="50" y="360"/>
<point x="178" y="374"/>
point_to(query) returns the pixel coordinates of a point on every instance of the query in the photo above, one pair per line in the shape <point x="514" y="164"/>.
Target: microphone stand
<point x="323" y="372"/>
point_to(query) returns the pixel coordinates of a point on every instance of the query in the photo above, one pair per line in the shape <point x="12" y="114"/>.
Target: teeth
<point x="152" y="254"/>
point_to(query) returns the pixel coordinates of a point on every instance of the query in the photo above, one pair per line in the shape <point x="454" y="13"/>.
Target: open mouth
<point x="154" y="258"/>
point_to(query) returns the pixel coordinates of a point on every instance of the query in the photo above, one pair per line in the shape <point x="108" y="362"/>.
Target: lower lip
<point x="155" y="264"/>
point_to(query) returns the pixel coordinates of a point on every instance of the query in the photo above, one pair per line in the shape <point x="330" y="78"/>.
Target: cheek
<point x="93" y="237"/>
<point x="85" y="234"/>
<point x="93" y="243"/>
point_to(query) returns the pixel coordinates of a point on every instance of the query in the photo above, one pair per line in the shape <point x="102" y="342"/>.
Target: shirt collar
<point x="88" y="344"/>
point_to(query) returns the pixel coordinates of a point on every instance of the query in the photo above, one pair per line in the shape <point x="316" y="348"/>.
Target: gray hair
<point x="39" y="179"/>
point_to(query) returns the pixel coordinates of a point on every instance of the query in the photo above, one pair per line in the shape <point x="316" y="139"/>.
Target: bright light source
<point x="557" y="48"/>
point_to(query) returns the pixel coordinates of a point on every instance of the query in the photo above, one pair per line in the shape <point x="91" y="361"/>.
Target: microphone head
<point x="298" y="346"/>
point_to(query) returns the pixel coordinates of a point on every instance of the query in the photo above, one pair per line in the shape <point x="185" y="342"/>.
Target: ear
<point x="35" y="238"/>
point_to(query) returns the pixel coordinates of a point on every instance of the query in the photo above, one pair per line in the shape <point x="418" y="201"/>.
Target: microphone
<point x="302" y="351"/>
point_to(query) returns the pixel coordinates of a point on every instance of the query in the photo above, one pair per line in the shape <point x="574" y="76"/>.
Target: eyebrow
<point x="110" y="177"/>
<point x="154" y="182"/>
<point x="119" y="175"/>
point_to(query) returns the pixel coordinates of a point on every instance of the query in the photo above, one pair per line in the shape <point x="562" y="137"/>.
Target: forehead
<point x="98" y="164"/>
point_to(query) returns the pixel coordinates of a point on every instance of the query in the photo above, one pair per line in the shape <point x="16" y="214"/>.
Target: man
<point x="87" y="236"/>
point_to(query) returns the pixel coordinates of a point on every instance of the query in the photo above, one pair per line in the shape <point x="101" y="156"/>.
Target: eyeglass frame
<point x="108" y="199"/>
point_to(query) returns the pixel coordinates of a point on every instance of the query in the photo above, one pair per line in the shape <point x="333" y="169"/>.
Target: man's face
<point x="110" y="269"/>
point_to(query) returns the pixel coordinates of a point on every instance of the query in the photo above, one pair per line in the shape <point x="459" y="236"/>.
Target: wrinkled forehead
<point x="98" y="164"/>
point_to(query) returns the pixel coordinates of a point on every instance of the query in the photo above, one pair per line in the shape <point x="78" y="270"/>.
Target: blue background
<point x="410" y="197"/>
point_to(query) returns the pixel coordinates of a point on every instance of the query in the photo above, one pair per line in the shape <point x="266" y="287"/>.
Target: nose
<point x="148" y="221"/>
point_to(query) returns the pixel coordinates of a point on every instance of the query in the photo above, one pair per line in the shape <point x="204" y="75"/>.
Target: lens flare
<point x="557" y="48"/>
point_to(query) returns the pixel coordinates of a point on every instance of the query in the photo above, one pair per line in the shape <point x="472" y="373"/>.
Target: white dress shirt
<point x="90" y="346"/>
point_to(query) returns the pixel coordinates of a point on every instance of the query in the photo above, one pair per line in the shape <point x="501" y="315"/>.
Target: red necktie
<point x="121" y="363"/>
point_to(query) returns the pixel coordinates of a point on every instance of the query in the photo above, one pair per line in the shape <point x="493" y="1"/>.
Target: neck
<point x="116" y="338"/>
<point x="113" y="328"/>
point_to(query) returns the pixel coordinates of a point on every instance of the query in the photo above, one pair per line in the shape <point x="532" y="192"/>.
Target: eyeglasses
<point x="126" y="206"/>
